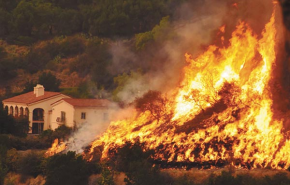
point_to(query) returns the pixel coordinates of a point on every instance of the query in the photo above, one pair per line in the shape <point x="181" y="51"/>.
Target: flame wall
<point x="222" y="110"/>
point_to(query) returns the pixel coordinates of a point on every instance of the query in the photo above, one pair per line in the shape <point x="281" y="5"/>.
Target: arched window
<point x="38" y="114"/>
<point x="21" y="111"/>
<point x="26" y="113"/>
<point x="11" y="110"/>
<point x="16" y="111"/>
<point x="6" y="109"/>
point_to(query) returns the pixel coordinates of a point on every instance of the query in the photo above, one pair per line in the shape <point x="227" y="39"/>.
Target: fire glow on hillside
<point x="222" y="109"/>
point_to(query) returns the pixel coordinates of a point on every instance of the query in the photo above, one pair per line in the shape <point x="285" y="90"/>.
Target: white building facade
<point x="75" y="112"/>
<point x="47" y="110"/>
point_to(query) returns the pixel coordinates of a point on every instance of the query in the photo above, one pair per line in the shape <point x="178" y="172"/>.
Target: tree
<point x="153" y="102"/>
<point x="28" y="86"/>
<point x="142" y="39"/>
<point x="24" y="16"/>
<point x="68" y="22"/>
<point x="7" y="66"/>
<point x="49" y="81"/>
<point x="46" y="18"/>
<point x="122" y="80"/>
<point x="159" y="33"/>
<point x="5" y="22"/>
<point x="66" y="169"/>
<point x="8" y="5"/>
<point x="16" y="126"/>
<point x="6" y="122"/>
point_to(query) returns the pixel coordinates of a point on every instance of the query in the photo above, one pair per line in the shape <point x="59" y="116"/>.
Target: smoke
<point x="85" y="135"/>
<point x="195" y="24"/>
<point x="89" y="131"/>
<point x="124" y="59"/>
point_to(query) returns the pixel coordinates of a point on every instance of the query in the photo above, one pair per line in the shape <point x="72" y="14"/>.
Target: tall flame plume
<point x="222" y="109"/>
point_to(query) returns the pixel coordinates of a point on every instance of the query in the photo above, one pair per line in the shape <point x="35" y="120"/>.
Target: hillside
<point x="76" y="41"/>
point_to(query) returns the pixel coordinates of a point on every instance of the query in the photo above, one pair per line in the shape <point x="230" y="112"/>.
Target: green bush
<point x="106" y="176"/>
<point x="46" y="136"/>
<point x="62" y="132"/>
<point x="66" y="169"/>
<point x="5" y="140"/>
<point x="21" y="127"/>
<point x="72" y="46"/>
<point x="12" y="160"/>
<point x="20" y="143"/>
<point x="16" y="126"/>
<point x="136" y="162"/>
<point x="29" y="164"/>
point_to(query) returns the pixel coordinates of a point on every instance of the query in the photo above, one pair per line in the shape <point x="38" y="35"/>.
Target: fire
<point x="221" y="110"/>
<point x="56" y="147"/>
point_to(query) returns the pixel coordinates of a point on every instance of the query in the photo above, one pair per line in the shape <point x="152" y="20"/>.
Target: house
<point x="74" y="112"/>
<point x="48" y="110"/>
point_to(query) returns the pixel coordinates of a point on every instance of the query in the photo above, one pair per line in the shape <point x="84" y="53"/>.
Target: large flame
<point x="221" y="111"/>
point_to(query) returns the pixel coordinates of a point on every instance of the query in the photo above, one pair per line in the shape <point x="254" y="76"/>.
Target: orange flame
<point x="221" y="111"/>
<point x="56" y="147"/>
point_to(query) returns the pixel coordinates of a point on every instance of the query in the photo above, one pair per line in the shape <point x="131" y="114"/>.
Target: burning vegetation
<point x="221" y="113"/>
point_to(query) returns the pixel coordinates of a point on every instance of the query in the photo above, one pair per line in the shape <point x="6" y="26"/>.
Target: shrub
<point x="21" y="127"/>
<point x="136" y="162"/>
<point x="12" y="160"/>
<point x="3" y="169"/>
<point x="15" y="126"/>
<point x="62" y="132"/>
<point x="30" y="164"/>
<point x="72" y="46"/>
<point x="46" y="136"/>
<point x="106" y="176"/>
<point x="66" y="169"/>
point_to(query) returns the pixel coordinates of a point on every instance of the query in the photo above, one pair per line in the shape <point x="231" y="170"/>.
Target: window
<point x="62" y="116"/>
<point x="83" y="115"/>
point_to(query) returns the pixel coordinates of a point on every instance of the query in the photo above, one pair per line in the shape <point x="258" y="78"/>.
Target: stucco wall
<point x="93" y="115"/>
<point x="96" y="115"/>
<point x="56" y="112"/>
<point x="46" y="106"/>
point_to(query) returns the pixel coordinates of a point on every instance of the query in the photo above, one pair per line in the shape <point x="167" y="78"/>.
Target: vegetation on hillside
<point x="70" y="46"/>
<point x="74" y="41"/>
<point x="131" y="159"/>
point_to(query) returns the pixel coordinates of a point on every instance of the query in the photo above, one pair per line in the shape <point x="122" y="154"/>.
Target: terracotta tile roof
<point x="30" y="97"/>
<point x="87" y="102"/>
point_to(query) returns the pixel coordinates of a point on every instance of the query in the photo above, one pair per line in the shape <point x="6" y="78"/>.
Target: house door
<point x="37" y="128"/>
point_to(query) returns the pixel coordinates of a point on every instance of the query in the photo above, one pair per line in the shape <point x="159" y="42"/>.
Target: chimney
<point x="38" y="90"/>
